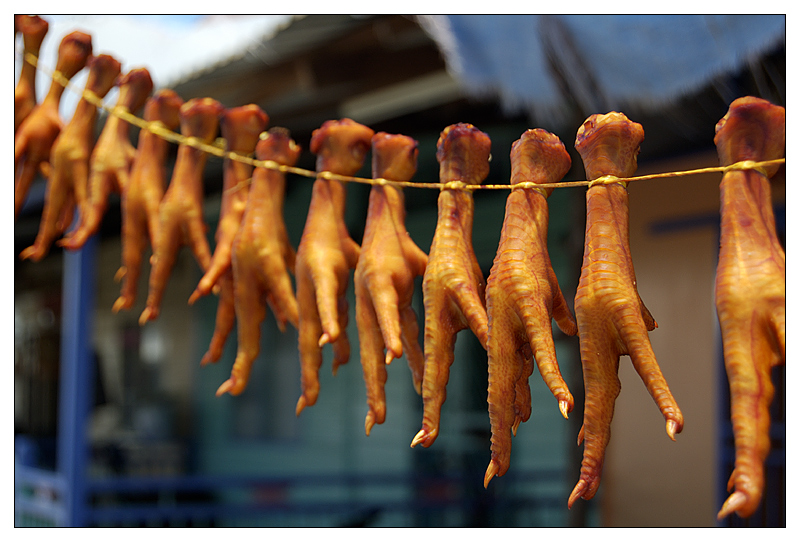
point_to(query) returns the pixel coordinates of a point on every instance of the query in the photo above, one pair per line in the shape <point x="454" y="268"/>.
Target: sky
<point x="169" y="46"/>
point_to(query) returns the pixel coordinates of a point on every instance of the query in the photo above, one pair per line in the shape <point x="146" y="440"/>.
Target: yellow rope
<point x="218" y="149"/>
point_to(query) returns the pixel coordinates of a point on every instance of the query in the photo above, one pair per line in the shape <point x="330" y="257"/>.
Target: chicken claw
<point x="33" y="29"/>
<point x="112" y="157"/>
<point x="523" y="296"/>
<point x="70" y="159"/>
<point x="384" y="276"/>
<point x="612" y="319"/>
<point x="453" y="286"/>
<point x="240" y="127"/>
<point x="37" y="133"/>
<point x="262" y="257"/>
<point x="181" y="210"/>
<point x="141" y="199"/>
<point x="750" y="289"/>
<point x="327" y="253"/>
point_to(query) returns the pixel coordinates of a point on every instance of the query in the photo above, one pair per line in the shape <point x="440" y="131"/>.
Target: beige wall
<point x="649" y="480"/>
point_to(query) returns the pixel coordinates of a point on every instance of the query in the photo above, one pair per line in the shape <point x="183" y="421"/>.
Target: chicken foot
<point x="112" y="157"/>
<point x="612" y="319"/>
<point x="181" y="210"/>
<point x="33" y="29"/>
<point x="750" y="289"/>
<point x="240" y="127"/>
<point x="384" y="276"/>
<point x="37" y="133"/>
<point x="453" y="286"/>
<point x="70" y="159"/>
<point x="262" y="257"/>
<point x="523" y="296"/>
<point x="143" y="195"/>
<point x="327" y="253"/>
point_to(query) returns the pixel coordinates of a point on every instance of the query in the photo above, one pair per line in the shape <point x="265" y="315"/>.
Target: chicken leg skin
<point x="262" y="258"/>
<point x="453" y="286"/>
<point x="612" y="320"/>
<point x="326" y="254"/>
<point x="384" y="277"/>
<point x="750" y="289"/>
<point x="523" y="296"/>
<point x="144" y="193"/>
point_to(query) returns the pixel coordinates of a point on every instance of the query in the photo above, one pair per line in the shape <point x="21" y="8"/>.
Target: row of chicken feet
<point x="453" y="281"/>
<point x="512" y="324"/>
<point x="521" y="294"/>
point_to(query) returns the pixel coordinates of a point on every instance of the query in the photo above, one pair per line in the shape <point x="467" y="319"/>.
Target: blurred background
<point x="117" y="424"/>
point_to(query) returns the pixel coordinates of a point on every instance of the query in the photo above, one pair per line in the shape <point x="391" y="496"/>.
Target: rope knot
<point x="91" y="97"/>
<point x="607" y="179"/>
<point x="455" y="185"/>
<point x="747" y="165"/>
<point x="528" y="185"/>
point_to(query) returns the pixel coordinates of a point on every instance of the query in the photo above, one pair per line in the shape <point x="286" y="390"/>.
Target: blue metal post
<point x="76" y="377"/>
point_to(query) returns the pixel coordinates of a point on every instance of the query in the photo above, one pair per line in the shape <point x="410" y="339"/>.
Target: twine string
<point x="217" y="149"/>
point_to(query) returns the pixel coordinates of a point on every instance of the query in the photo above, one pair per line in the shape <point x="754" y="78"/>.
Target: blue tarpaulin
<point x="531" y="62"/>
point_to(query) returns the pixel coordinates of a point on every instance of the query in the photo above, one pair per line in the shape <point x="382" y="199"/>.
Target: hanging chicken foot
<point x="262" y="258"/>
<point x="240" y="127"/>
<point x="612" y="319"/>
<point x="327" y="253"/>
<point x="33" y="29"/>
<point x="37" y="133"/>
<point x="70" y="159"/>
<point x="750" y="289"/>
<point x="523" y="296"/>
<point x="384" y="277"/>
<point x="145" y="190"/>
<point x="452" y="286"/>
<point x="181" y="209"/>
<point x="112" y="157"/>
